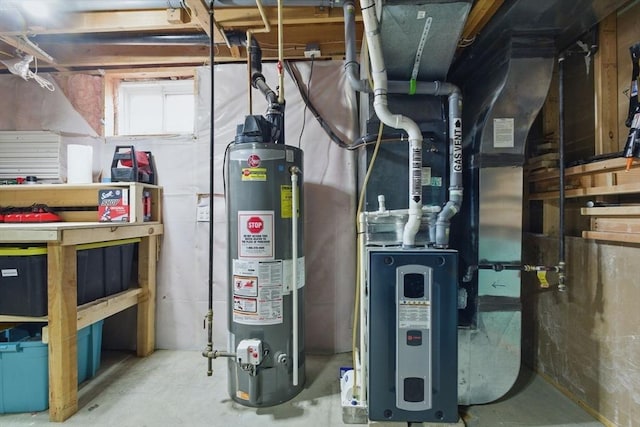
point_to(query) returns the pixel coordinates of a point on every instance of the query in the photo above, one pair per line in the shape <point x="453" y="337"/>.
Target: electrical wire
<point x="224" y="167"/>
<point x="335" y="138"/>
<point x="359" y="255"/>
<point x="306" y="105"/>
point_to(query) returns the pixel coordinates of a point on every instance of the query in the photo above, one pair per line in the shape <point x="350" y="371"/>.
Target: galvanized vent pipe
<point x="397" y="121"/>
<point x="423" y="88"/>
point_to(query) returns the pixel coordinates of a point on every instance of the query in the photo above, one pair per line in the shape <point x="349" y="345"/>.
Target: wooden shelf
<point x="604" y="178"/>
<point x="79" y="202"/>
<point x="614" y="237"/>
<point x="613" y="223"/>
<point x="76" y="233"/>
<point x="65" y="318"/>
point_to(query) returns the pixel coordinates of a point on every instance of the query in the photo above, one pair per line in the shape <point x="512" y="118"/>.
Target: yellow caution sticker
<point x="242" y="395"/>
<point x="254" y="174"/>
<point x="286" y="204"/>
<point x="542" y="278"/>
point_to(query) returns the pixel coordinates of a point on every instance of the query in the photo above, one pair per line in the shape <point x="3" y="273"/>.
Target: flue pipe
<point x="396" y="121"/>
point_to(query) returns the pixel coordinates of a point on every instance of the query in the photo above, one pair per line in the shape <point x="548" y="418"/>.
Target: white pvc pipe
<point x="362" y="374"/>
<point x="397" y="121"/>
<point x="294" y="268"/>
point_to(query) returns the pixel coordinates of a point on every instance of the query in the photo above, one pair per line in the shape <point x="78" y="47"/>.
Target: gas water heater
<point x="265" y="246"/>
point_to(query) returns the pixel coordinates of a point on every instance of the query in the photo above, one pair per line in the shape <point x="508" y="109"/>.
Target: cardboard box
<point x="113" y="205"/>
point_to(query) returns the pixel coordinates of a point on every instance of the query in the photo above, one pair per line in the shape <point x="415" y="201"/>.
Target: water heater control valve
<point x="249" y="352"/>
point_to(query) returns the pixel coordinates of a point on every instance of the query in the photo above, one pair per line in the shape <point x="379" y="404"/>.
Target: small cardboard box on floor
<point x="113" y="205"/>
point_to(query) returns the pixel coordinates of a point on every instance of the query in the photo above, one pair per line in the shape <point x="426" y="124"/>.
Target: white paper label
<point x="414" y="316"/>
<point x="255" y="234"/>
<point x="426" y="176"/>
<point x="257" y="292"/>
<point x="9" y="272"/>
<point x="503" y="133"/>
<point x="288" y="275"/>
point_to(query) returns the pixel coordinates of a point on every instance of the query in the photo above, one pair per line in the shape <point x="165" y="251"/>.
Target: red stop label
<point x="255" y="224"/>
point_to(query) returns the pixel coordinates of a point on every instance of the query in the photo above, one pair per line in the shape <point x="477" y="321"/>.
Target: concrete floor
<point x="171" y="388"/>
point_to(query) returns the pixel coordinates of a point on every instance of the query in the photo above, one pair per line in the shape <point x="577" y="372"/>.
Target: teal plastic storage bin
<point x="24" y="365"/>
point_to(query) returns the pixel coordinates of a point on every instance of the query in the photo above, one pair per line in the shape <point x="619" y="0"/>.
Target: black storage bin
<point x="104" y="268"/>
<point x="23" y="281"/>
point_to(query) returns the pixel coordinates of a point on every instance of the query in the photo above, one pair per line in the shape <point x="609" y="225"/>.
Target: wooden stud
<point x="148" y="251"/>
<point x="606" y="88"/>
<point x="63" y="363"/>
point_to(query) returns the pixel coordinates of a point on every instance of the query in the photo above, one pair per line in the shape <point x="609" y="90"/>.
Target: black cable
<point x="335" y="138"/>
<point x="224" y="168"/>
<point x="211" y="182"/>
<point x="304" y="112"/>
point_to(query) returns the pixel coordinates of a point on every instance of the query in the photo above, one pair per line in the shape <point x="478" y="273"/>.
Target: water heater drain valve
<point x="249" y="352"/>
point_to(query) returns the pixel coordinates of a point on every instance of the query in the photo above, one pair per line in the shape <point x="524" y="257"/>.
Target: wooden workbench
<point x="64" y="316"/>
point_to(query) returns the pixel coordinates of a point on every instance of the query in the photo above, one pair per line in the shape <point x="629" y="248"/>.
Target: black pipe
<point x="561" y="255"/>
<point x="211" y="182"/>
<point x="275" y="111"/>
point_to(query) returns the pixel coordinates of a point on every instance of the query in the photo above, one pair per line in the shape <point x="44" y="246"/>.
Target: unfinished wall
<point x="86" y="95"/>
<point x="628" y="34"/>
<point x="24" y="105"/>
<point x="182" y="163"/>
<point x="587" y="340"/>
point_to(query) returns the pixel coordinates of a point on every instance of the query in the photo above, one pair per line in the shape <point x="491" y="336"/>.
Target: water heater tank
<point x="259" y="197"/>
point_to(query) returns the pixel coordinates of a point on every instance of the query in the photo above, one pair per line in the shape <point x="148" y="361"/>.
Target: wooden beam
<point x="481" y="13"/>
<point x="99" y="309"/>
<point x="616" y="225"/>
<point x="102" y="308"/>
<point x="98" y="234"/>
<point x="200" y="14"/>
<point x="614" y="237"/>
<point x="606" y="88"/>
<point x="612" y="211"/>
<point x="243" y="17"/>
<point x="147" y="259"/>
<point x="151" y="73"/>
<point x="108" y="22"/>
<point x="101" y="56"/>
<point x="63" y="346"/>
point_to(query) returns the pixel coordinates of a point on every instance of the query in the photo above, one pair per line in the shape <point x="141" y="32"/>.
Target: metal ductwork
<point x="505" y="76"/>
<point x="409" y="28"/>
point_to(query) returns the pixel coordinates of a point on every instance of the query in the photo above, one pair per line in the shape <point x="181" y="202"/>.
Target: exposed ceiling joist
<point x="481" y="13"/>
<point x="101" y="22"/>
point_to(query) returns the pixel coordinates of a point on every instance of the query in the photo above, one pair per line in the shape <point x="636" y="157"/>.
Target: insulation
<point x="182" y="162"/>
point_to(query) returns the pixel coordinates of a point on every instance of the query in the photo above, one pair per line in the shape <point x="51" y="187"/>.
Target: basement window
<point x="155" y="107"/>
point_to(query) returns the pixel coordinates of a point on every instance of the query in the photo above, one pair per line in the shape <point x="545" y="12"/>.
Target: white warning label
<point x="414" y="315"/>
<point x="257" y="292"/>
<point x="255" y="234"/>
<point x="503" y="133"/>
